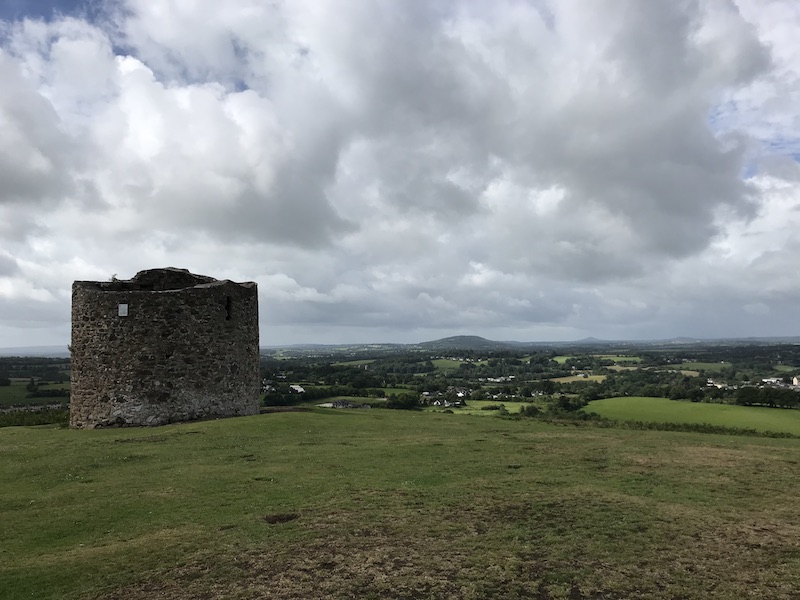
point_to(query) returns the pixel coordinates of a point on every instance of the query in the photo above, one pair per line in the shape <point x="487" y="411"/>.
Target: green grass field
<point x="354" y="363"/>
<point x="663" y="410"/>
<point x="394" y="504"/>
<point x="14" y="394"/>
<point x="398" y="390"/>
<point x="445" y="364"/>
<point x="475" y="407"/>
<point x="620" y="358"/>
<point x="700" y="366"/>
<point x="572" y="378"/>
<point x="358" y="400"/>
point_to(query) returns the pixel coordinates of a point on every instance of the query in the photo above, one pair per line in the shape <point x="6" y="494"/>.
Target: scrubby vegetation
<point x="42" y="416"/>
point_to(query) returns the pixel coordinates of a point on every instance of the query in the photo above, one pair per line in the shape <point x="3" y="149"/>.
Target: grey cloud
<point x="34" y="151"/>
<point x="411" y="166"/>
<point x="639" y="146"/>
<point x="31" y="314"/>
<point x="8" y="266"/>
<point x="634" y="141"/>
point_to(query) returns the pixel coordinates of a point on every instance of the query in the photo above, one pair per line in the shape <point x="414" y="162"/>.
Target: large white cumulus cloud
<point x="396" y="170"/>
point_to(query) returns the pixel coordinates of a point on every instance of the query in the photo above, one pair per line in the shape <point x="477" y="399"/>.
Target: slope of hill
<point x="463" y="342"/>
<point x="395" y="504"/>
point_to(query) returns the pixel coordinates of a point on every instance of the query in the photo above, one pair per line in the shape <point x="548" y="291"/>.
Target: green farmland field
<point x="700" y="366"/>
<point x="620" y="358"/>
<point x="663" y="410"/>
<point x="15" y="394"/>
<point x="475" y="407"/>
<point x="354" y="363"/>
<point x="381" y="504"/>
<point x="445" y="364"/>
<point x="573" y="378"/>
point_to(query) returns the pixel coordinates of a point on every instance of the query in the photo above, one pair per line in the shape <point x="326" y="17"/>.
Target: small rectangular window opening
<point x="122" y="310"/>
<point x="227" y="308"/>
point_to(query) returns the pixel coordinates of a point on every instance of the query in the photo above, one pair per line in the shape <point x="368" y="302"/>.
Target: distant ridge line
<point x="41" y="351"/>
<point x="475" y="342"/>
<point x="459" y="342"/>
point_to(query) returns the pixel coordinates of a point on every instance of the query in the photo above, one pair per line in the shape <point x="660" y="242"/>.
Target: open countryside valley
<point x="460" y="468"/>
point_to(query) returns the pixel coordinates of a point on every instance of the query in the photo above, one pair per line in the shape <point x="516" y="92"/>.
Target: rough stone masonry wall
<point x="187" y="349"/>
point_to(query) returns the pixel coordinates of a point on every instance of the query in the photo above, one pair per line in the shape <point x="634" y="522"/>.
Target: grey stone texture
<point x="163" y="347"/>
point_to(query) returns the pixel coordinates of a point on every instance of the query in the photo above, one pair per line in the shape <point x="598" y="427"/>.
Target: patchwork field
<point x="393" y="504"/>
<point x="663" y="410"/>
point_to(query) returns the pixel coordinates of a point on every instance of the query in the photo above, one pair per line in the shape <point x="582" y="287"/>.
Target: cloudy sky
<point x="398" y="171"/>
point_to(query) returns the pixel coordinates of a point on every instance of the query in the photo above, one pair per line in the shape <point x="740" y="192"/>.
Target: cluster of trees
<point x="651" y="383"/>
<point x="46" y="416"/>
<point x="43" y="369"/>
<point x="402" y="401"/>
<point x="768" y="396"/>
<point x="44" y="393"/>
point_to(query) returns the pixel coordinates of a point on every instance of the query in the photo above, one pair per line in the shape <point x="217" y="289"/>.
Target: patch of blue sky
<point x="749" y="170"/>
<point x="730" y="116"/>
<point x="16" y="10"/>
<point x="240" y="85"/>
<point x="721" y="116"/>
<point x="784" y="146"/>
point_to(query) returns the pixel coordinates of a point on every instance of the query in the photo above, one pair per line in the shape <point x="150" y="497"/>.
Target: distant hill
<point x="589" y="341"/>
<point x="47" y="351"/>
<point x="464" y="342"/>
<point x="467" y="342"/>
<point x="474" y="342"/>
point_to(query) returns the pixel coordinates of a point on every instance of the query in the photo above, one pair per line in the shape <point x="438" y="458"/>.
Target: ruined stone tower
<point x="163" y="347"/>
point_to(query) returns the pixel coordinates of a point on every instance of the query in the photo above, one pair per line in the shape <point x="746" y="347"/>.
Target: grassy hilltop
<point x="394" y="504"/>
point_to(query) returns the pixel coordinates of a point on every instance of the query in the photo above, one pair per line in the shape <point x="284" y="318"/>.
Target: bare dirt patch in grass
<point x="274" y="519"/>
